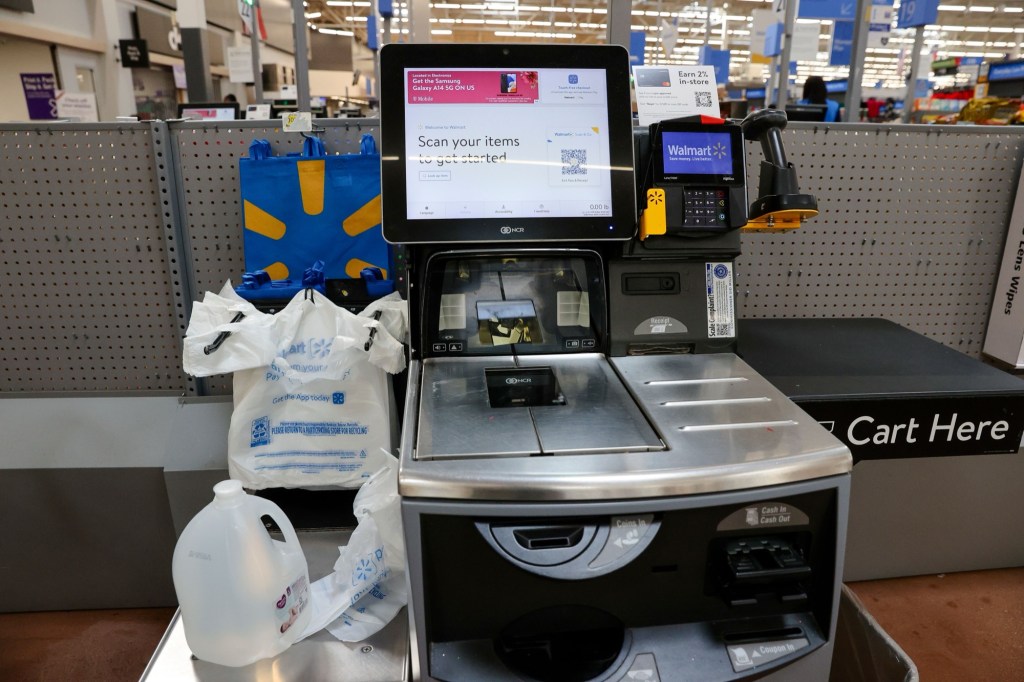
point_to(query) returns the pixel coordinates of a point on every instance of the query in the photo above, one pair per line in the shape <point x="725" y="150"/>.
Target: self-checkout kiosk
<point x="593" y="487"/>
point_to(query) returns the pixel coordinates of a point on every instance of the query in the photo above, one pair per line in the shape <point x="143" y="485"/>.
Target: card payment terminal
<point x="696" y="178"/>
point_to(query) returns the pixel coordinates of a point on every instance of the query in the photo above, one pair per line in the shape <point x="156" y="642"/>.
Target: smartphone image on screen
<point x="508" y="83"/>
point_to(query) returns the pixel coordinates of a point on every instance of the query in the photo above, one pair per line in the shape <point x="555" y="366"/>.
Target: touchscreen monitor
<point x="493" y="143"/>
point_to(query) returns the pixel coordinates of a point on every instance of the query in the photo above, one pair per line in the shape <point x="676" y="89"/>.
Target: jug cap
<point x="228" y="492"/>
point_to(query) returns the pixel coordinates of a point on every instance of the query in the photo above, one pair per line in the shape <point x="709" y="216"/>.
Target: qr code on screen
<point x="703" y="99"/>
<point x="574" y="162"/>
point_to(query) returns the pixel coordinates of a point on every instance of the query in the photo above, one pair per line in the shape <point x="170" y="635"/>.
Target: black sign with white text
<point x="134" y="54"/>
<point x="932" y="427"/>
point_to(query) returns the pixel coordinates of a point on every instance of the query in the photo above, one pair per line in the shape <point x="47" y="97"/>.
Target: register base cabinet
<point x="676" y="518"/>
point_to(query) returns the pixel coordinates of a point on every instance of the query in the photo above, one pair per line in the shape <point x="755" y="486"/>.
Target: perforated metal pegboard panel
<point x="206" y="155"/>
<point x="911" y="228"/>
<point x="88" y="300"/>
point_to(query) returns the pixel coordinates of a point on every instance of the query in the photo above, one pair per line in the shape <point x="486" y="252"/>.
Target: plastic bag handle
<point x="268" y="508"/>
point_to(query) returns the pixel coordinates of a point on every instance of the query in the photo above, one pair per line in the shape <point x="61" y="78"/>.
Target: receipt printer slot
<point x="650" y="283"/>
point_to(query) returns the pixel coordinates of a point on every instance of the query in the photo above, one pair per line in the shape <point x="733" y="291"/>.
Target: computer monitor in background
<point x="738" y="108"/>
<point x="283" y="106"/>
<point x="806" y="112"/>
<point x="209" y="111"/>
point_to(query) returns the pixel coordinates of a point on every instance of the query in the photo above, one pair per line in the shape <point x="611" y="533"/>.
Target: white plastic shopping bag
<point x="367" y="588"/>
<point x="311" y="395"/>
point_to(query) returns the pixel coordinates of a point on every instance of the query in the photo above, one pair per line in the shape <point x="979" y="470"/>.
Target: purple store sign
<point x="40" y="95"/>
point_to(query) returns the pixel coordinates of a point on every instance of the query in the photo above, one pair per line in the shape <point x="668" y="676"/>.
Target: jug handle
<point x="267" y="508"/>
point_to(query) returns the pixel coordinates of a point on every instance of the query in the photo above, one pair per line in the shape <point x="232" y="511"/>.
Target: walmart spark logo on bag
<point x="297" y="209"/>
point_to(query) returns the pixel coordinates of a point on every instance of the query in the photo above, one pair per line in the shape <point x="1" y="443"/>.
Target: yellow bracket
<point x="779" y="221"/>
<point x="653" y="220"/>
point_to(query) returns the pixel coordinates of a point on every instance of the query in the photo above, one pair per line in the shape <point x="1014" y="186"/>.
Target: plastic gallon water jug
<point x="243" y="595"/>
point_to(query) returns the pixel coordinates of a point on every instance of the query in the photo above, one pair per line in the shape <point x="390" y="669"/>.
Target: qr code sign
<point x="574" y="162"/>
<point x="704" y="99"/>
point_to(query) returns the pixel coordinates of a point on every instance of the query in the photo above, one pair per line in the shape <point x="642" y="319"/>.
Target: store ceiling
<point x="991" y="30"/>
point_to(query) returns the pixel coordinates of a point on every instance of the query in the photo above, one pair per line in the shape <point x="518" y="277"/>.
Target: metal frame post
<point x="860" y="46"/>
<point x="915" y="56"/>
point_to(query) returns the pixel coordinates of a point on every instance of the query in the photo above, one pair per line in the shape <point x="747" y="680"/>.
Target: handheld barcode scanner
<point x="779" y="205"/>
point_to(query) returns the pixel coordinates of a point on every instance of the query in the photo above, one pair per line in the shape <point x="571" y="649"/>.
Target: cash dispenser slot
<point x="751" y="570"/>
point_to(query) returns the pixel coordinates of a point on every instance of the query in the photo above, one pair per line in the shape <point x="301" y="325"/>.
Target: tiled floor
<point x="965" y="627"/>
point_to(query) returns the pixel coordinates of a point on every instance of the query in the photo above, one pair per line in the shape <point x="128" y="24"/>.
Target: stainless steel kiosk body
<point x="570" y="514"/>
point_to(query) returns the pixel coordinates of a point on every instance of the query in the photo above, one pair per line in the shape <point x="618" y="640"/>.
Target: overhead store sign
<point x="917" y="13"/>
<point x="773" y="40"/>
<point x="160" y="33"/>
<point x="945" y="67"/>
<point x="761" y="20"/>
<point x="840" y="52"/>
<point x="880" y="23"/>
<point x="372" y="34"/>
<point x="719" y="59"/>
<point x="827" y="9"/>
<point x="669" y="37"/>
<point x="1007" y="71"/>
<point x="637" y="44"/>
<point x="805" y="42"/>
<point x="240" y="64"/>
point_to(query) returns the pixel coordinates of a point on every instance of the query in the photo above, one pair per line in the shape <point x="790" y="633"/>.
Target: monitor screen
<point x="806" y="112"/>
<point x="836" y="87"/>
<point x="506" y="142"/>
<point x="688" y="152"/>
<point x="696" y="153"/>
<point x="216" y="111"/>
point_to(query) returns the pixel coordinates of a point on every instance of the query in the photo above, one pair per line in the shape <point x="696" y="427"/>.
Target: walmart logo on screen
<point x="716" y="150"/>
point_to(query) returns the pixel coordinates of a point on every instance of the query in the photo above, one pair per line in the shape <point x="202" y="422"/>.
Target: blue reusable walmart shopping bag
<point x="298" y="209"/>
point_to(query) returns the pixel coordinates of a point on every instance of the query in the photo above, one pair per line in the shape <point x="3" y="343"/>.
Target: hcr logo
<point x="512" y="381"/>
